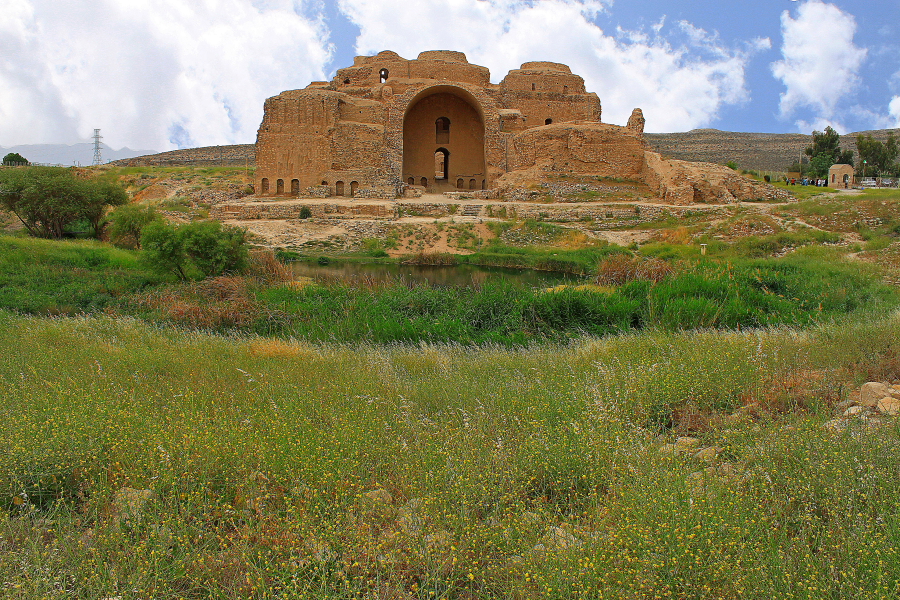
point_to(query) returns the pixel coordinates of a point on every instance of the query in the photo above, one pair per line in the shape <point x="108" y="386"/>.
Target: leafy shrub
<point x="305" y="212"/>
<point x="203" y="246"/>
<point x="14" y="159"/>
<point x="47" y="200"/>
<point x="127" y="222"/>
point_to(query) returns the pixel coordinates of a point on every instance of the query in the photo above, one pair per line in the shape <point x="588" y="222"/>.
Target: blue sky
<point x="160" y="74"/>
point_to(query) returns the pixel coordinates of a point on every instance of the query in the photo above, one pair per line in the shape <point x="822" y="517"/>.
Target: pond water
<point x="449" y="276"/>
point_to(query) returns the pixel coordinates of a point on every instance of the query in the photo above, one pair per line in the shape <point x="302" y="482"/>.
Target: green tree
<point x="47" y="200"/>
<point x="163" y="248"/>
<point x="203" y="247"/>
<point x="128" y="221"/>
<point x="825" y="151"/>
<point x="214" y="249"/>
<point x="876" y="157"/>
<point x="14" y="159"/>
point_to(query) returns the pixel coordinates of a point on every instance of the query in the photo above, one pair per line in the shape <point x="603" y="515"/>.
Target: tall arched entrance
<point x="443" y="139"/>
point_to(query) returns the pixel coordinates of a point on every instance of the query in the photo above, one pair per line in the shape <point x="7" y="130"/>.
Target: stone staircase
<point x="471" y="210"/>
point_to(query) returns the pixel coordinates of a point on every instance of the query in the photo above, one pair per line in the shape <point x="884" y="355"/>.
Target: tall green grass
<point x="808" y="286"/>
<point x="798" y="290"/>
<point x="509" y="473"/>
<point x="51" y="277"/>
<point x="581" y="261"/>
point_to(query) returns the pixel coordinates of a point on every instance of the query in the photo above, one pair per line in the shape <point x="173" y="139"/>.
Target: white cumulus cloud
<point x="678" y="85"/>
<point x="153" y="74"/>
<point x="894" y="110"/>
<point x="820" y="63"/>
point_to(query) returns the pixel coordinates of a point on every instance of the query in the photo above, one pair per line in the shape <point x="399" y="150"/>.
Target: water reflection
<point x="454" y="276"/>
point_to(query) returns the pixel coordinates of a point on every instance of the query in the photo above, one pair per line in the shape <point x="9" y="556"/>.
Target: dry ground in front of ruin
<point x="454" y="233"/>
<point x="185" y="193"/>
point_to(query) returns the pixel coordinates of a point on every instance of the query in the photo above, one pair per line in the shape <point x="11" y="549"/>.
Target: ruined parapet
<point x="445" y="55"/>
<point x="636" y="121"/>
<point x="580" y="148"/>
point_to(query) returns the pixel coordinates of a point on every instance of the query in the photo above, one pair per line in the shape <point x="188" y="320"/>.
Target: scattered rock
<point x="845" y="404"/>
<point x="379" y="496"/>
<point x="870" y="393"/>
<point x="686" y="444"/>
<point x="320" y="551"/>
<point x="667" y="449"/>
<point x="538" y="551"/>
<point x="129" y="503"/>
<point x="697" y="483"/>
<point x="531" y="518"/>
<point x="861" y="423"/>
<point x="857" y="417"/>
<point x="888" y="406"/>
<point x="852" y="411"/>
<point x="410" y="518"/>
<point x="724" y="473"/>
<point x="707" y="454"/>
<point x="558" y="538"/>
<point x="836" y="425"/>
<point x="738" y="418"/>
<point x="683" y="446"/>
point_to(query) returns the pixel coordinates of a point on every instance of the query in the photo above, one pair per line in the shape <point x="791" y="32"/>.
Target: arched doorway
<point x="441" y="163"/>
<point x="428" y="142"/>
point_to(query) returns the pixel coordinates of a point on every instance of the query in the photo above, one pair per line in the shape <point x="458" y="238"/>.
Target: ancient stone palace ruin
<point x="388" y="126"/>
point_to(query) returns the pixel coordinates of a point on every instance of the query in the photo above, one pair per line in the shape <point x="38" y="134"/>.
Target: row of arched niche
<point x="460" y="183"/>
<point x="339" y="187"/>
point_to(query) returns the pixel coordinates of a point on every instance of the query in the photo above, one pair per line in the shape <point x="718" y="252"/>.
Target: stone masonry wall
<point x="609" y="215"/>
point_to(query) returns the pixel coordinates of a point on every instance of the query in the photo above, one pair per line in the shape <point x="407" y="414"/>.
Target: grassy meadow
<point x="654" y="434"/>
<point x="283" y="469"/>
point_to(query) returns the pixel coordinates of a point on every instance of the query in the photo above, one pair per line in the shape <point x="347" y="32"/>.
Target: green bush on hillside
<point x="127" y="222"/>
<point x="49" y="200"/>
<point x="14" y="159"/>
<point x="204" y="247"/>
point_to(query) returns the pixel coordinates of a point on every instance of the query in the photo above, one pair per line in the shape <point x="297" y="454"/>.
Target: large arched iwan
<point x="465" y="145"/>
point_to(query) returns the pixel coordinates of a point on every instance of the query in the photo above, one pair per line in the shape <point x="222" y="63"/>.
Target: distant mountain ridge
<point x="759" y="151"/>
<point x="69" y="155"/>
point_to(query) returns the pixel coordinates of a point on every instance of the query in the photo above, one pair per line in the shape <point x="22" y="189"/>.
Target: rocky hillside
<point x="760" y="151"/>
<point x="237" y="155"/>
